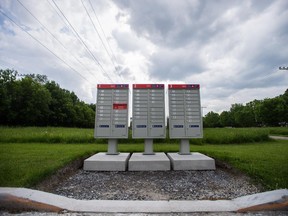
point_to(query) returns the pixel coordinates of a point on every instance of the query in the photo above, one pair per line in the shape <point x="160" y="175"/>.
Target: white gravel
<point x="160" y="185"/>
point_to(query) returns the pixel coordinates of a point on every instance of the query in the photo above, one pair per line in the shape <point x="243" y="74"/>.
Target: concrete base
<point x="156" y="162"/>
<point x="194" y="161"/>
<point x="104" y="162"/>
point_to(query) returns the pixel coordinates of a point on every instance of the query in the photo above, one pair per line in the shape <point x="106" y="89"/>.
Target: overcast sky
<point x="233" y="49"/>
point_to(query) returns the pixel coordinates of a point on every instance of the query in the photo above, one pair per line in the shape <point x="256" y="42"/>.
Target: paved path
<point x="279" y="137"/>
<point x="22" y="198"/>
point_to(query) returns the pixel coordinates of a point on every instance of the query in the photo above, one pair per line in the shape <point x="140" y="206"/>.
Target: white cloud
<point x="232" y="48"/>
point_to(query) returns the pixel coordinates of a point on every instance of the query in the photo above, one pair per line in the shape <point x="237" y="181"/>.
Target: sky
<point x="233" y="49"/>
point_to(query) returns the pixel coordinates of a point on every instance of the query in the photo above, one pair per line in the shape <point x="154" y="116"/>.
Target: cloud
<point x="232" y="48"/>
<point x="175" y="64"/>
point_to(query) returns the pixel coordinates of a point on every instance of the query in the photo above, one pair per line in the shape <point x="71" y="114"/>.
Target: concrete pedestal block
<point x="194" y="161"/>
<point x="155" y="162"/>
<point x="104" y="162"/>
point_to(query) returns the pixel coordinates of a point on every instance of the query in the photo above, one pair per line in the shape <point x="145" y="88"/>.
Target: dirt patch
<point x="50" y="183"/>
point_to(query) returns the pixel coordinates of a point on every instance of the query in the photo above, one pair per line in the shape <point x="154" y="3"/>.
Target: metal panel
<point x="156" y="129"/>
<point x="177" y="128"/>
<point x="140" y="128"/>
<point x="103" y="128"/>
<point x="185" y="120"/>
<point x="148" y="111"/>
<point x="111" y="119"/>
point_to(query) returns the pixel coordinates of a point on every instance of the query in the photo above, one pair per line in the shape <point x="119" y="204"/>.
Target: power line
<point x="61" y="18"/>
<point x="98" y="33"/>
<point x="67" y="25"/>
<point x="89" y="51"/>
<point x="113" y="58"/>
<point x="53" y="35"/>
<point x="103" y="31"/>
<point x="45" y="46"/>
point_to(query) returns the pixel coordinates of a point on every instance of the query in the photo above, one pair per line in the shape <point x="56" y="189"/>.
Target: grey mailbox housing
<point x="148" y="111"/>
<point x="111" y="119"/>
<point x="185" y="119"/>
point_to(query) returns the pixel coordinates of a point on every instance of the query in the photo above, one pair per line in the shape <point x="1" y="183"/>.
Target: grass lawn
<point x="280" y="131"/>
<point x="25" y="164"/>
<point x="266" y="163"/>
<point x="78" y="135"/>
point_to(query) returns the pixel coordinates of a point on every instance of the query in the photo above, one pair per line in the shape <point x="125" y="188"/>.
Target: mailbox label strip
<point x="119" y="106"/>
<point x="148" y="86"/>
<point x="183" y="86"/>
<point x="112" y="86"/>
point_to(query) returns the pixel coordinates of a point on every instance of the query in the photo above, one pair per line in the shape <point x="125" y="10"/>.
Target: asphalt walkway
<point x="279" y="137"/>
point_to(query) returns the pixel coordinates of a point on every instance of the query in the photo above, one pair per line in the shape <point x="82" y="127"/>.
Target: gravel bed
<point x="160" y="185"/>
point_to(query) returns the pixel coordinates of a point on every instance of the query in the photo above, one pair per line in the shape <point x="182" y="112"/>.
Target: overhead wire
<point x="23" y="29"/>
<point x="97" y="33"/>
<point x="89" y="51"/>
<point x="46" y="29"/>
<point x="63" y="20"/>
<point x="103" y="32"/>
<point x="105" y="37"/>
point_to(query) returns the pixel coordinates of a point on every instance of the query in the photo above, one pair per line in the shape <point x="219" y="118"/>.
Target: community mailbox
<point x="185" y="120"/>
<point x="148" y="111"/>
<point x="112" y="111"/>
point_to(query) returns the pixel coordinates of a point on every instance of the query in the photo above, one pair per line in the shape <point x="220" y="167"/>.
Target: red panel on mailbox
<point x="148" y="86"/>
<point x="120" y="106"/>
<point x="112" y="86"/>
<point x="184" y="86"/>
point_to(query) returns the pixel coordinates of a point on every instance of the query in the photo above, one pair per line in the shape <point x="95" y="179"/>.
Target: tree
<point x="32" y="103"/>
<point x="274" y="110"/>
<point x="255" y="108"/>
<point x="33" y="100"/>
<point x="42" y="79"/>
<point x="24" y="101"/>
<point x="7" y="93"/>
<point x="226" y="119"/>
<point x="235" y="111"/>
<point x="67" y="110"/>
<point x="212" y="119"/>
<point x="285" y="108"/>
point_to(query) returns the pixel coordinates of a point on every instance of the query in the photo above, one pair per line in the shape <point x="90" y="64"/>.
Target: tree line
<point x="32" y="100"/>
<point x="257" y="113"/>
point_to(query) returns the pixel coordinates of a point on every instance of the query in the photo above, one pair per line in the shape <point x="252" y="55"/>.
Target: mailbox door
<point x="185" y="119"/>
<point x="119" y="124"/>
<point x="111" y="120"/>
<point x="176" y="113"/>
<point x="103" y="129"/>
<point x="148" y="111"/>
<point x="140" y="128"/>
<point x="193" y="123"/>
<point x="177" y="128"/>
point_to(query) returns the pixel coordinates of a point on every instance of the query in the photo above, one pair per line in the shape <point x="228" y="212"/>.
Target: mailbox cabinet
<point x="111" y="120"/>
<point x="148" y="111"/>
<point x="185" y="119"/>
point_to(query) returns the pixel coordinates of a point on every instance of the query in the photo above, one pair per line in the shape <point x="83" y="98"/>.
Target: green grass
<point x="24" y="164"/>
<point x="46" y="135"/>
<point x="76" y="135"/>
<point x="281" y="131"/>
<point x="28" y="155"/>
<point x="266" y="163"/>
